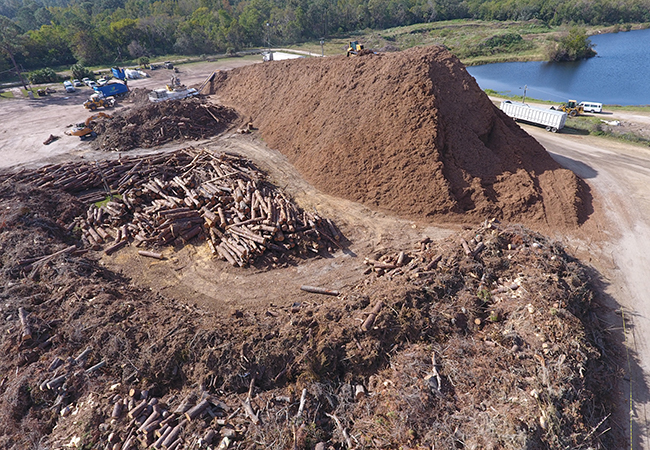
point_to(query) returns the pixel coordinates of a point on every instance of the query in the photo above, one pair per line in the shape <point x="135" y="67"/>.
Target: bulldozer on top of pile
<point x="572" y="108"/>
<point x="96" y="100"/>
<point x="354" y="48"/>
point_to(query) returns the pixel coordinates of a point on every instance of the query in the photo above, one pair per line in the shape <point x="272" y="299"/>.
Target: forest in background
<point x="55" y="33"/>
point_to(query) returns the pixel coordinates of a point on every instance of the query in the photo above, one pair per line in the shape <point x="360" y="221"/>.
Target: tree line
<point x="49" y="33"/>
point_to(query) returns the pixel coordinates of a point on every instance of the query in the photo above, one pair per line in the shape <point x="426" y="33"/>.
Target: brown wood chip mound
<point x="151" y="124"/>
<point x="408" y="132"/>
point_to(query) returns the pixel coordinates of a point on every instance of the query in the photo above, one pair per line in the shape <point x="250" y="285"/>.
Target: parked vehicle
<point x="168" y="65"/>
<point x="92" y="84"/>
<point x="77" y="83"/>
<point x="161" y="95"/>
<point x="114" y="89"/>
<point x="552" y="120"/>
<point x="102" y="81"/>
<point x="571" y="108"/>
<point x="86" y="81"/>
<point x="69" y="87"/>
<point x="592" y="107"/>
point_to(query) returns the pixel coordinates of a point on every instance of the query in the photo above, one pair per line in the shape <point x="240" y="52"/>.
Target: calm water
<point x="619" y="74"/>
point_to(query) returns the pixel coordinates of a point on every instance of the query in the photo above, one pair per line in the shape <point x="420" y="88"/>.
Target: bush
<point x="40" y="76"/>
<point x="573" y="46"/>
<point x="79" y="72"/>
<point x="143" y="61"/>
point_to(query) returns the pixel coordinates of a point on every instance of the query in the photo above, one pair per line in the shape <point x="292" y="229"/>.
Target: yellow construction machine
<point x="95" y="101"/>
<point x="572" y="108"/>
<point x="83" y="130"/>
<point x="354" y="48"/>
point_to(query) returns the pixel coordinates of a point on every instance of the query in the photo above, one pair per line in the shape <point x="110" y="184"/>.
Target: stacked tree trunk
<point x="143" y="421"/>
<point x="175" y="197"/>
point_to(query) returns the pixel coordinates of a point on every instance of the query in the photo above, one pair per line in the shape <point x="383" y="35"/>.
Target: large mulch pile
<point x="410" y="132"/>
<point x="489" y="339"/>
<point x="147" y="124"/>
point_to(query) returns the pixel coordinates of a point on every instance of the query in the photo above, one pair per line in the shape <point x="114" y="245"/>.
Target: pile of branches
<point x="174" y="197"/>
<point x="152" y="124"/>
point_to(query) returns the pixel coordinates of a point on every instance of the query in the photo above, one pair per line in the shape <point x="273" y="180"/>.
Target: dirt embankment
<point x="408" y="132"/>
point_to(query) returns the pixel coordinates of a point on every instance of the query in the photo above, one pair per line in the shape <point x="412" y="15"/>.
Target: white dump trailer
<point x="552" y="120"/>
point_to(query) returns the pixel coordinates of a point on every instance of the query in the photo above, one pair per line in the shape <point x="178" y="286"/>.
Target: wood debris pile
<point x="174" y="197"/>
<point x="151" y="124"/>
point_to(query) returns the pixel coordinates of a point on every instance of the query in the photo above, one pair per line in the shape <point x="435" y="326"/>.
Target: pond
<point x="618" y="75"/>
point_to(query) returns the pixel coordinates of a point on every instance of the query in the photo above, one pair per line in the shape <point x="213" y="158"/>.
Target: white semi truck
<point x="552" y="120"/>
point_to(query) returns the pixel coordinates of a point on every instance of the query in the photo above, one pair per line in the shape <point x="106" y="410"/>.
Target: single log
<point x="370" y="320"/>
<point x="173" y="435"/>
<point x="56" y="382"/>
<point x="137" y="411"/>
<point x="303" y="399"/>
<point x="83" y="355"/>
<point x="175" y="445"/>
<point x="164" y="432"/>
<point x="115" y="247"/>
<point x="153" y="417"/>
<point x="381" y="265"/>
<point x="317" y="290"/>
<point x="197" y="410"/>
<point x="95" y="367"/>
<point x="359" y="392"/>
<point x="56" y="362"/>
<point x="117" y="410"/>
<point x="151" y="254"/>
<point x="27" y="332"/>
<point x="465" y="245"/>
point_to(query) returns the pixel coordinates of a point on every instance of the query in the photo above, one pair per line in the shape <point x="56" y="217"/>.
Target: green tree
<point x="79" y="72"/>
<point x="40" y="76"/>
<point x="11" y="43"/>
<point x="572" y="46"/>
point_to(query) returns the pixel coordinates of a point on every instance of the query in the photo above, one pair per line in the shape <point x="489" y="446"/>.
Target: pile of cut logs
<point x="151" y="423"/>
<point x="174" y="197"/>
<point x="423" y="261"/>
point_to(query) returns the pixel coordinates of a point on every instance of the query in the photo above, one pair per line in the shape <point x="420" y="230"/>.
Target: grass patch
<point x="517" y="98"/>
<point x="595" y="127"/>
<point x="108" y="198"/>
<point x="7" y="94"/>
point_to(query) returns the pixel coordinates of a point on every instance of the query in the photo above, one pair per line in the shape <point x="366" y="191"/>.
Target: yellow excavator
<point x="354" y="48"/>
<point x="572" y="108"/>
<point x="83" y="130"/>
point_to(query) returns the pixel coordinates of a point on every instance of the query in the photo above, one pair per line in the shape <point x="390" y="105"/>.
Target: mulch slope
<point x="520" y="358"/>
<point x="410" y="132"/>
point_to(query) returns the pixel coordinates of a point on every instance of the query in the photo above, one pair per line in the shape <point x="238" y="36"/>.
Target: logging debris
<point x="169" y="198"/>
<point x="148" y="125"/>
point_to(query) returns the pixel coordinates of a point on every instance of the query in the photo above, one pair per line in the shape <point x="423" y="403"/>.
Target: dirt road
<point x="617" y="243"/>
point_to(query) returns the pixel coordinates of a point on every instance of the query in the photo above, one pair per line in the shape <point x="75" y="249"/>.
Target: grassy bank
<point x="475" y="42"/>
